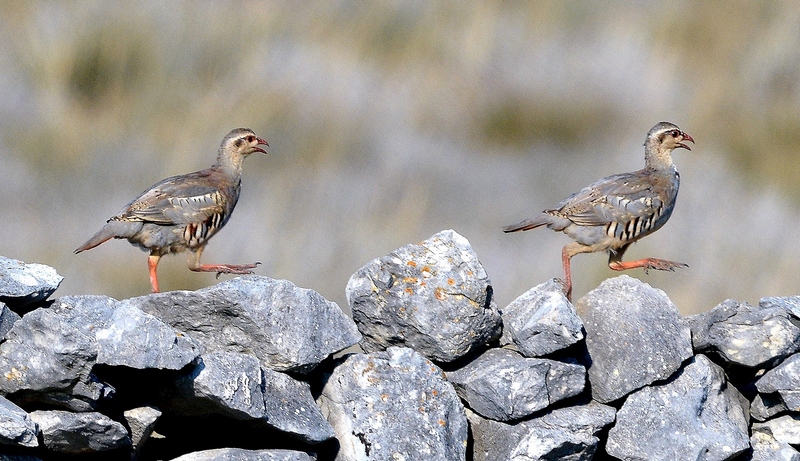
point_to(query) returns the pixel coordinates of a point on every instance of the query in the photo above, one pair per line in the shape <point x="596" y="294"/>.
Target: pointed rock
<point x="26" y="283"/>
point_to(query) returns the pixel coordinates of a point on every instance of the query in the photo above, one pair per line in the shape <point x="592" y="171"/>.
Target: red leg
<point x="152" y="264"/>
<point x="646" y="264"/>
<point x="565" y="261"/>
<point x="194" y="265"/>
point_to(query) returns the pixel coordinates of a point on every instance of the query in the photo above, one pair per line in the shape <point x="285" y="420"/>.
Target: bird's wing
<point x="618" y="198"/>
<point x="177" y="200"/>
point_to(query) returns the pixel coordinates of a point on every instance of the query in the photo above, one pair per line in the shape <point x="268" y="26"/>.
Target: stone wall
<point x="259" y="369"/>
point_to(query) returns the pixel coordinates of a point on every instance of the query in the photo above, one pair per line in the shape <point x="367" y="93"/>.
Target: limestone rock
<point x="393" y="403"/>
<point x="542" y="321"/>
<point x="141" y="422"/>
<point x="503" y="385"/>
<point x="568" y="434"/>
<point x="25" y="283"/>
<point x="238" y="454"/>
<point x="785" y="381"/>
<point x="695" y="415"/>
<point x="286" y="327"/>
<point x="80" y="433"/>
<point x="745" y="335"/>
<point x="634" y="335"/>
<point x="16" y="426"/>
<point x="433" y="296"/>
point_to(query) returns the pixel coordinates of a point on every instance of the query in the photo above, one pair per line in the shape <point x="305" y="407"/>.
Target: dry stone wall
<point x="427" y="368"/>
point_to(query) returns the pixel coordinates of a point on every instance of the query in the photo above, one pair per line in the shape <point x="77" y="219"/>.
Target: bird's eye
<point x="251" y="138"/>
<point x="675" y="133"/>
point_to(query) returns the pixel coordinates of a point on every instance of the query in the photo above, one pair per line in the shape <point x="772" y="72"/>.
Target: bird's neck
<point x="658" y="160"/>
<point x="230" y="166"/>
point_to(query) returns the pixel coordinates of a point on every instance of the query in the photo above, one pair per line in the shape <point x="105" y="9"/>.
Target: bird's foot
<point x="227" y="268"/>
<point x="647" y="264"/>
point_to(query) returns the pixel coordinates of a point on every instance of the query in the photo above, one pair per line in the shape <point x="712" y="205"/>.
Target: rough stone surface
<point x="80" y="433"/>
<point x="288" y="328"/>
<point x="434" y="297"/>
<point x="141" y="422"/>
<point x="634" y="335"/>
<point x="503" y="385"/>
<point x="235" y="385"/>
<point x="745" y="335"/>
<point x="25" y="283"/>
<point x="542" y="321"/>
<point x="16" y="426"/>
<point x="226" y="383"/>
<point x="290" y="407"/>
<point x="784" y="429"/>
<point x="695" y="415"/>
<point x="765" y="406"/>
<point x="788" y="303"/>
<point x="238" y="454"/>
<point x="391" y="403"/>
<point x="785" y="381"/>
<point x="567" y="434"/>
<point x="7" y="320"/>
<point x="766" y="448"/>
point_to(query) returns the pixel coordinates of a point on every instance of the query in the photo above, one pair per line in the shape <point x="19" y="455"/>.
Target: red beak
<point x="686" y="137"/>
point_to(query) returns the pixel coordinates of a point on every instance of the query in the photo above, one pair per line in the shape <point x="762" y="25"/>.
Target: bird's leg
<point x="567" y="253"/>
<point x="615" y="262"/>
<point x="194" y="265"/>
<point x="152" y="264"/>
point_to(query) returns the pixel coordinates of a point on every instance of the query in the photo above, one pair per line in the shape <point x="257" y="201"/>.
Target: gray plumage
<point x="618" y="210"/>
<point x="183" y="212"/>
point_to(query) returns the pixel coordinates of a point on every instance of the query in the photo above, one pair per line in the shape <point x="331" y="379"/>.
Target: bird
<point x="615" y="211"/>
<point x="181" y="213"/>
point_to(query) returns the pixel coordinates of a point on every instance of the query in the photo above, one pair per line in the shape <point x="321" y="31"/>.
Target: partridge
<point x="616" y="211"/>
<point x="183" y="212"/>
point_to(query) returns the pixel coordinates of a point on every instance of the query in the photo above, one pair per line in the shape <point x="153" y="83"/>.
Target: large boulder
<point x="694" y="415"/>
<point x="394" y="403"/>
<point x="504" y="386"/>
<point x="286" y="327"/>
<point x="634" y="335"/>
<point x="433" y="296"/>
<point x="80" y="433"/>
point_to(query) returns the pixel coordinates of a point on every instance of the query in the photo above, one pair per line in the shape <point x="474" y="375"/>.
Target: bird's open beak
<point x="260" y="143"/>
<point x="686" y="137"/>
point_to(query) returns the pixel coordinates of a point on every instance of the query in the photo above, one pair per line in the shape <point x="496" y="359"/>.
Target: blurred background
<point x="390" y="121"/>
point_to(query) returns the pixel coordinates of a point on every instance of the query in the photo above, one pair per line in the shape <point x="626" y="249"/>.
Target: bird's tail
<point x="529" y="224"/>
<point x="112" y="229"/>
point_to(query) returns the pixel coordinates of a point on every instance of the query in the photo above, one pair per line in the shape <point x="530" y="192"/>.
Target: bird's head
<point x="667" y="137"/>
<point x="242" y="141"/>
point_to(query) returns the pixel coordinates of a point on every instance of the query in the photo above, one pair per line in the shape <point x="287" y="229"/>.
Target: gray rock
<point x="504" y="386"/>
<point x="80" y="433"/>
<point x="238" y="454"/>
<point x="766" y="448"/>
<point x="745" y="335"/>
<point x="22" y="283"/>
<point x="695" y="415"/>
<point x="765" y="406"/>
<point x="47" y="351"/>
<point x="566" y="434"/>
<point x="54" y="349"/>
<point x="784" y="429"/>
<point x="16" y="426"/>
<point x="235" y="385"/>
<point x="788" y="303"/>
<point x="394" y="403"/>
<point x="634" y="335"/>
<point x="227" y="383"/>
<point x="7" y="319"/>
<point x="785" y="381"/>
<point x="288" y="328"/>
<point x="433" y="296"/>
<point x="290" y="407"/>
<point x="542" y="321"/>
<point x="141" y="422"/>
